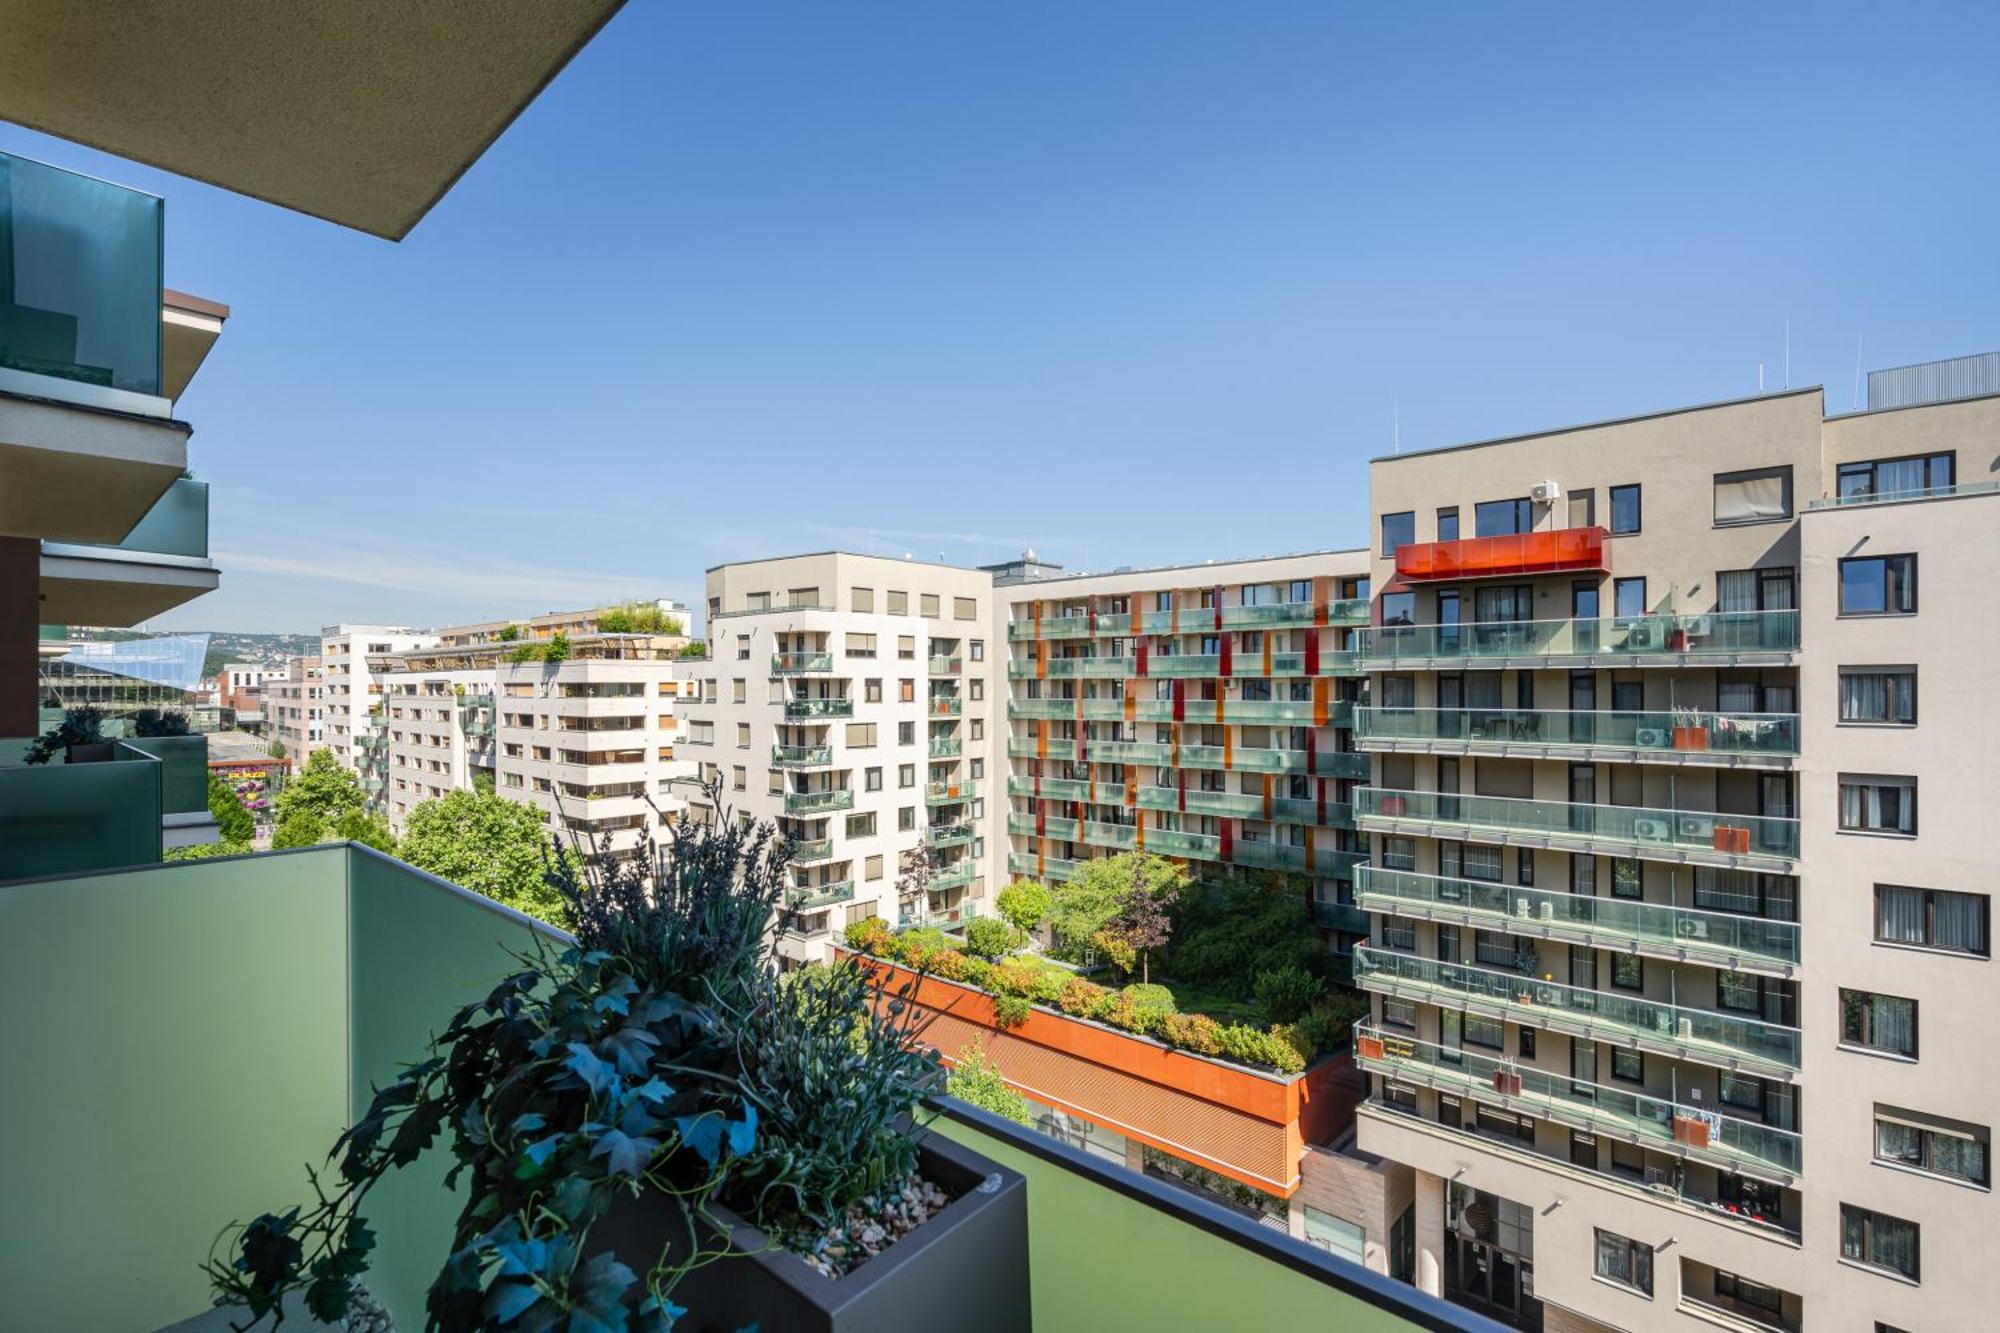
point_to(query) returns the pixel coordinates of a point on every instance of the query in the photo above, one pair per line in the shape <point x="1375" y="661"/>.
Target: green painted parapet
<point x="184" y="771"/>
<point x="64" y="819"/>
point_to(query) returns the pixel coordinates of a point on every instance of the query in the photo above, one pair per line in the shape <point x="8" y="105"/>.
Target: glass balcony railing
<point x="1658" y="640"/>
<point x="1903" y="497"/>
<point x="805" y="802"/>
<point x="1341" y="916"/>
<point x="947" y="835"/>
<point x="1051" y="867"/>
<point x="177" y="524"/>
<point x="777" y="609"/>
<point x="801" y="756"/>
<point x="943" y="793"/>
<point x="946" y="747"/>
<point x="1683" y="731"/>
<point x="946" y="666"/>
<point x="1717" y="937"/>
<point x="806" y="709"/>
<point x="954" y="877"/>
<point x="1235" y="712"/>
<point x="80" y="279"/>
<point x="1698" y="1130"/>
<point x="1697" y="835"/>
<point x="809" y="896"/>
<point x="806" y="851"/>
<point x="1184" y="665"/>
<point x="799" y="664"/>
<point x="943" y="705"/>
<point x="1698" y="1034"/>
<point x="61" y="819"/>
<point x="1192" y="620"/>
<point x="183" y="771"/>
<point x="1239" y="805"/>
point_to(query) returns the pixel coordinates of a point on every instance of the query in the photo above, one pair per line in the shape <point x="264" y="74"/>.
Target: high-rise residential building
<point x="1677" y="999"/>
<point x="295" y="708"/>
<point x="850" y="699"/>
<point x="1199" y="712"/>
<point x="352" y="659"/>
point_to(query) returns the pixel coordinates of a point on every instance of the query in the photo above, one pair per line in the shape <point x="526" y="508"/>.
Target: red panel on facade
<point x="1556" y="552"/>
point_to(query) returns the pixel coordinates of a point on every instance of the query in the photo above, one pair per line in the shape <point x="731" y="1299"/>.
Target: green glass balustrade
<point x="800" y="709"/>
<point x="947" y="835"/>
<point x="61" y="819"/>
<point x="798" y="664"/>
<point x="801" y="756"/>
<point x="808" y="850"/>
<point x="1667" y="637"/>
<point x="946" y="747"/>
<point x="1642" y="830"/>
<point x="183" y="771"/>
<point x="803" y="802"/>
<point x="1686" y="731"/>
<point x="177" y="524"/>
<point x="809" y="896"/>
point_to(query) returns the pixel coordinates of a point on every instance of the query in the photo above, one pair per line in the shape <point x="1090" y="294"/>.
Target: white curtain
<point x="1890" y="807"/>
<point x="1960" y="921"/>
<point x="1899" y="914"/>
<point x="1751" y="498"/>
<point x="1737" y="590"/>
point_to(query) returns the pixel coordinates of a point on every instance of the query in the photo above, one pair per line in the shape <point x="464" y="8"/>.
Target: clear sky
<point x="1130" y="283"/>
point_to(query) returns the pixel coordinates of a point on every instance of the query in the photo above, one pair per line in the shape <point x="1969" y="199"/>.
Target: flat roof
<point x="1600" y="425"/>
<point x="1136" y="570"/>
<point x="850" y="555"/>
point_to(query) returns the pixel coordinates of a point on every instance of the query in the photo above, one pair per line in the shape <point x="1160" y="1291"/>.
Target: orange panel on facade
<point x="1557" y="552"/>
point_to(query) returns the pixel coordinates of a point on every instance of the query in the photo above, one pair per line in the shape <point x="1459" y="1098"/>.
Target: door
<point x="1582" y="797"/>
<point x="1583" y="612"/>
<point x="1449" y="642"/>
<point x="1582" y="707"/>
<point x="1450" y="702"/>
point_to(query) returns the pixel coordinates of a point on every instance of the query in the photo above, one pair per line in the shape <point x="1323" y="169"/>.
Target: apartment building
<point x="353" y="660"/>
<point x="295" y="708"/>
<point x="239" y="689"/>
<point x="1200" y="712"/>
<point x="849" y="698"/>
<point x="1657" y="931"/>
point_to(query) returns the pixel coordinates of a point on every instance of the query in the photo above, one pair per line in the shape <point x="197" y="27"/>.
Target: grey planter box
<point x="966" y="1268"/>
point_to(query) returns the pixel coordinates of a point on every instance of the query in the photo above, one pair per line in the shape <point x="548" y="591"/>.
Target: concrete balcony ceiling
<point x="363" y="113"/>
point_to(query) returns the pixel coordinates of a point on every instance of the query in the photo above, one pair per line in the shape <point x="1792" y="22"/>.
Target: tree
<point x="1145" y="923"/>
<point x="1025" y="904"/>
<point x="1229" y="928"/>
<point x="232" y="822"/>
<point x="323" y="789"/>
<point x="367" y="828"/>
<point x="482" y="779"/>
<point x="974" y="1079"/>
<point x="1094" y="897"/>
<point x="276" y="749"/>
<point x="301" y="828"/>
<point x="990" y="938"/>
<point x="203" y="850"/>
<point x="490" y="845"/>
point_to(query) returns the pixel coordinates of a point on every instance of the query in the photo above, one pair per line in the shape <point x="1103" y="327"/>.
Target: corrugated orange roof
<point x="1240" y="1146"/>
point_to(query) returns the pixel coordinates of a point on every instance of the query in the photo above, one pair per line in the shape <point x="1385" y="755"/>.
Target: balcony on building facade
<point x="1659" y="930"/>
<point x="801" y="664"/>
<point x="1696" y="837"/>
<point x="1040" y="866"/>
<point x="1332" y="915"/>
<point x="1695" y="1130"/>
<point x="947" y="834"/>
<point x="1702" y="1035"/>
<point x="1512" y="555"/>
<point x="807" y="802"/>
<point x="1147" y="665"/>
<point x="1168" y="754"/>
<point x="1694" y="639"/>
<point x="944" y="793"/>
<point x="806" y="851"/>
<point x="807" y="897"/>
<point x="801" y="756"/>
<point x="945" y="665"/>
<point x="475" y="700"/>
<point x="1191" y="620"/>
<point x="797" y="710"/>
<point x="946" y="747"/>
<point x="1190" y="800"/>
<point x="956" y="876"/>
<point x="1861" y="498"/>
<point x="946" y="706"/>
<point x="1230" y="712"/>
<point x="1672" y="736"/>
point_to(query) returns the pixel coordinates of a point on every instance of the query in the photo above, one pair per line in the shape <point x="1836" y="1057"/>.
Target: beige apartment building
<point x="295" y="708"/>
<point x="352" y="661"/>
<point x="1677" y="1000"/>
<point x="850" y="699"/>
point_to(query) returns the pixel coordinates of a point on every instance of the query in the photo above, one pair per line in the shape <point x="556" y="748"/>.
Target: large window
<point x="1753" y="497"/>
<point x="1398" y="530"/>
<point x="1628" y="597"/>
<point x="1625" y="509"/>
<point x="1932" y="919"/>
<point x="1502" y="518"/>
<point x="1878" y="585"/>
<point x="1932" y="1145"/>
<point x="1335" y="1236"/>
<point x="1898" y="476"/>
<point x="1878" y="1022"/>
<point x="1878" y="804"/>
<point x="1883" y="696"/>
<point x="1625" y="1261"/>
<point x="1448" y="524"/>
<point x="1878" y="1240"/>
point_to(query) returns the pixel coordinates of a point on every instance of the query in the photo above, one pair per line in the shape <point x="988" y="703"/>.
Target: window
<point x="1879" y="696"/>
<point x="1770" y="589"/>
<point x="1448" y="524"/>
<point x="906" y="691"/>
<point x="1398" y="530"/>
<point x="975" y="690"/>
<point x="862" y="600"/>
<point x="1399" y="608"/>
<point x="1334" y="1235"/>
<point x="1524" y="866"/>
<point x="742" y="735"/>
<point x="906" y="818"/>
<point x="1625" y="877"/>
<point x="1399" y="1013"/>
<point x="906" y="647"/>
<point x="1488" y="1032"/>
<point x="1878" y="1022"/>
<point x="871" y="691"/>
<point x="860" y="735"/>
<point x="1628" y="597"/>
<point x="1898" y="476"/>
<point x="1878" y="585"/>
<point x="1932" y="1145"/>
<point x="1502" y="518"/>
<point x="871" y="779"/>
<point x="742" y="651"/>
<point x="1628" y="1066"/>
<point x="872" y="867"/>
<point x="964" y="608"/>
<point x="738" y="779"/>
<point x="1753" y="497"/>
<point x="1762" y="1304"/>
<point x="899" y="603"/>
<point x="1628" y="972"/>
<point x="906" y="775"/>
<point x="861" y="826"/>
<point x="906" y="733"/>
<point x="1583" y="509"/>
<point x="1932" y="919"/>
<point x="739" y="691"/>
<point x="807" y="597"/>
<point x="927" y="604"/>
<point x="1878" y="805"/>
<point x="1878" y="1240"/>
<point x="1625" y="1261"/>
<point x="1624" y="508"/>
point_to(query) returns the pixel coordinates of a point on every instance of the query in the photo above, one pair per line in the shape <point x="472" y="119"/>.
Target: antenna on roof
<point x="1760" y="377"/>
<point x="1857" y="372"/>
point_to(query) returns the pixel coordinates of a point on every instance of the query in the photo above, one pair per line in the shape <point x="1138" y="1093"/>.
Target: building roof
<point x="1599" y="425"/>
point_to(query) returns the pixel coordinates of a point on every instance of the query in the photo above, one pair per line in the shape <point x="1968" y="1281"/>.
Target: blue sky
<point x="1129" y="283"/>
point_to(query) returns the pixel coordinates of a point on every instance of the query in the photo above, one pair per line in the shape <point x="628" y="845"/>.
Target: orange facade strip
<point x="1322" y="700"/>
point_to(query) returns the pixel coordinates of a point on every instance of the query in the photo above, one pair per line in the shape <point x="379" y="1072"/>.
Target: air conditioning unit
<point x="1655" y="738"/>
<point x="1652" y="830"/>
<point x="1522" y="908"/>
<point x="1684" y="1029"/>
<point x="1643" y="634"/>
<point x="1546" y="493"/>
<point x="1696" y="826"/>
<point x="1548" y="912"/>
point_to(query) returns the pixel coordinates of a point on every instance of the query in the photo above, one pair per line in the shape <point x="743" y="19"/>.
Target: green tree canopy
<point x="1024" y="903"/>
<point x="301" y="828"/>
<point x="367" y="828"/>
<point x="1100" y="890"/>
<point x="323" y="789"/>
<point x="1232" y="927"/>
<point x="488" y="844"/>
<point x="233" y="823"/>
<point x="974" y="1079"/>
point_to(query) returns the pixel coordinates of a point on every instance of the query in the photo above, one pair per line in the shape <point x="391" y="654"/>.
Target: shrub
<point x="1077" y="997"/>
<point x="1150" y="997"/>
<point x="202" y="851"/>
<point x="1014" y="976"/>
<point x="978" y="972"/>
<point x="974" y="1079"/>
<point x="1117" y="950"/>
<point x="1011" y="1010"/>
<point x="232" y="821"/>
<point x="948" y="964"/>
<point x="1240" y="1041"/>
<point x="1025" y="904"/>
<point x="1192" y="1032"/>
<point x="1286" y="992"/>
<point x="159" y="722"/>
<point x="990" y="937"/>
<point x="868" y="935"/>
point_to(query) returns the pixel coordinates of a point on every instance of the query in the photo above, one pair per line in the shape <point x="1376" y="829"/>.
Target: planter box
<point x="1690" y="738"/>
<point x="95" y="752"/>
<point x="966" y="1268"/>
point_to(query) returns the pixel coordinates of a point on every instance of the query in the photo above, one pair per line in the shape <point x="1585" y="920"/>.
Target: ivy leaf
<point x="538" y="1152"/>
<point x="743" y="1133"/>
<point x="598" y="1292"/>
<point x="704" y="1133"/>
<point x="595" y="1073"/>
<point x="623" y="1154"/>
<point x="509" y="1300"/>
<point x="613" y="1001"/>
<point x="652" y="1090"/>
<point x="525" y="1257"/>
